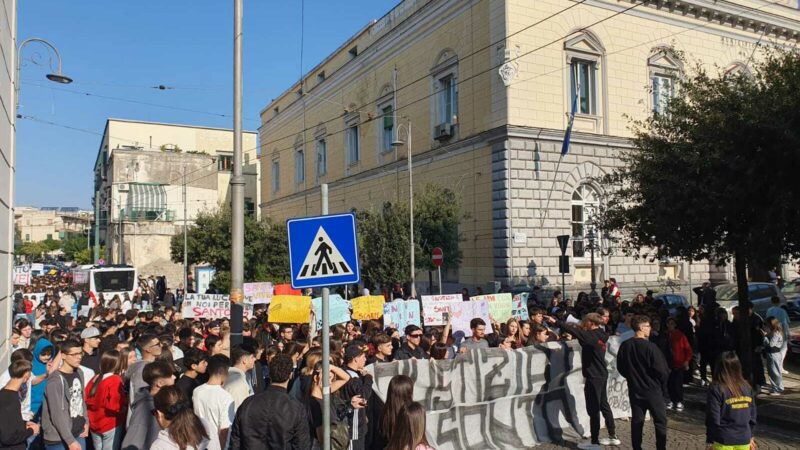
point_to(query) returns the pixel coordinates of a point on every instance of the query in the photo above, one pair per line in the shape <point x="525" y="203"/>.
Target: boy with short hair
<point x="15" y="431"/>
<point x="64" y="409"/>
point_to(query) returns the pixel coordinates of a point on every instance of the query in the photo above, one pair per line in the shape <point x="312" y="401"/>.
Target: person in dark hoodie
<point x="644" y="367"/>
<point x="730" y="406"/>
<point x="143" y="427"/>
<point x="593" y="339"/>
<point x="15" y="431"/>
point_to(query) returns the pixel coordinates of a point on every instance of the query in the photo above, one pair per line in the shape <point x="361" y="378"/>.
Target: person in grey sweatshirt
<point x="143" y="427"/>
<point x="64" y="409"/>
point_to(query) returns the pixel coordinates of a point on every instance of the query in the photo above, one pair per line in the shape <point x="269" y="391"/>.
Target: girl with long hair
<point x="774" y="344"/>
<point x="513" y="330"/>
<point x="107" y="401"/>
<point x="181" y="429"/>
<point x="399" y="395"/>
<point x="409" y="434"/>
<point x="314" y="402"/>
<point x="730" y="406"/>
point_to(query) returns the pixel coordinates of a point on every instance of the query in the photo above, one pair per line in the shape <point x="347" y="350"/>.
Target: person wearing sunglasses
<point x="410" y="349"/>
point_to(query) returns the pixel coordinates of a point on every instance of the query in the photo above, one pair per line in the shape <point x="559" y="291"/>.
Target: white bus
<point x="106" y="280"/>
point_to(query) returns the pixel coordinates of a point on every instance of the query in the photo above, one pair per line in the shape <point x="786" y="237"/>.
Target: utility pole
<point x="237" y="184"/>
<point x="185" y="240"/>
<point x="326" y="347"/>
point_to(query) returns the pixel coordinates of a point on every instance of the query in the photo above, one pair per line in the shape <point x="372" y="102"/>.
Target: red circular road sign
<point x="437" y="256"/>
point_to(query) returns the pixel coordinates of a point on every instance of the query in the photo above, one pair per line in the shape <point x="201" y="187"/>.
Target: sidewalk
<point x="782" y="411"/>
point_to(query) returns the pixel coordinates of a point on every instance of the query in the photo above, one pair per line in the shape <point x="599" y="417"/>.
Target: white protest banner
<point x="519" y="307"/>
<point x="442" y="298"/>
<point x="37" y="267"/>
<point x="492" y="398"/>
<point x="80" y="277"/>
<point x="22" y="275"/>
<point x="339" y="310"/>
<point x="258" y="293"/>
<point x="210" y="306"/>
<point x="401" y="313"/>
<point x="462" y="313"/>
<point x="499" y="305"/>
<point x="617" y="387"/>
<point x="435" y="313"/>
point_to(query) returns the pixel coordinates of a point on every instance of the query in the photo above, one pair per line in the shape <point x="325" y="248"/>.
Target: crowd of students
<point x="138" y="380"/>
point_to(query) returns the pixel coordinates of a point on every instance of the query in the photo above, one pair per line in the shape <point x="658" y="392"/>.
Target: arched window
<point x="664" y="67"/>
<point x="585" y="202"/>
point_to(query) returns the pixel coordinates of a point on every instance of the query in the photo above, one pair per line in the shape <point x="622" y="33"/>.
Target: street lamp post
<point x="592" y="238"/>
<point x="237" y="184"/>
<point x="397" y="143"/>
<point x="57" y="77"/>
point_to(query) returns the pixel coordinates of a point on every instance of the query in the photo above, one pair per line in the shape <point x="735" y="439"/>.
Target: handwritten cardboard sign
<point x="435" y="313"/>
<point x="442" y="298"/>
<point x="210" y="306"/>
<point x="368" y="307"/>
<point x="463" y="312"/>
<point x="519" y="307"/>
<point x="258" y="293"/>
<point x="499" y="305"/>
<point x="338" y="307"/>
<point x="289" y="309"/>
<point x="401" y="313"/>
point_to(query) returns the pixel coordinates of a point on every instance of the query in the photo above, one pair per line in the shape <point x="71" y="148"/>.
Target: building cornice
<point x="727" y="13"/>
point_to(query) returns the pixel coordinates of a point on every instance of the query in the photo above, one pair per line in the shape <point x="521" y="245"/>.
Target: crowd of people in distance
<point x="133" y="376"/>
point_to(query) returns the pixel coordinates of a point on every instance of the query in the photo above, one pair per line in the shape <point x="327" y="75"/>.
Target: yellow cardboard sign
<point x="368" y="307"/>
<point x="289" y="309"/>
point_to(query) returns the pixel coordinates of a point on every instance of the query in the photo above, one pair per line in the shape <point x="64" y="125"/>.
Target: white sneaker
<point x="588" y="445"/>
<point x="679" y="407"/>
<point x="611" y="440"/>
<point x="784" y="372"/>
<point x="669" y="405"/>
<point x="774" y="393"/>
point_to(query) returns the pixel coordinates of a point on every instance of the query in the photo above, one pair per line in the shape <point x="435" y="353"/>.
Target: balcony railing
<point x="167" y="215"/>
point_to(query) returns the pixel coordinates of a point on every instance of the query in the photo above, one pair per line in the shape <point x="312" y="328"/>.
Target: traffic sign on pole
<point x="563" y="241"/>
<point x="437" y="256"/>
<point x="323" y="251"/>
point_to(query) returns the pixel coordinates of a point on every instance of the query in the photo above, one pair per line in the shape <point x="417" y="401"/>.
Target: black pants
<point x="596" y="393"/>
<point x="640" y="404"/>
<point x="675" y="385"/>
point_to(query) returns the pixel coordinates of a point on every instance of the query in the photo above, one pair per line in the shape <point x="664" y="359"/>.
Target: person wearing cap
<point x="90" y="337"/>
<point x="410" y="349"/>
<point x="358" y="388"/>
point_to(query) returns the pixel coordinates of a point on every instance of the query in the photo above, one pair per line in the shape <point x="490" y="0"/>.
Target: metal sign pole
<point x="439" y="269"/>
<point x="326" y="349"/>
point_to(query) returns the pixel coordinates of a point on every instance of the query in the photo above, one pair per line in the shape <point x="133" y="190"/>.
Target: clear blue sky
<point x="119" y="49"/>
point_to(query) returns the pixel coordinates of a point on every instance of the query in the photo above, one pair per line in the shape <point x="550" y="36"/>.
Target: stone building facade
<point x="39" y="224"/>
<point x="483" y="89"/>
<point x="139" y="179"/>
<point x="8" y="82"/>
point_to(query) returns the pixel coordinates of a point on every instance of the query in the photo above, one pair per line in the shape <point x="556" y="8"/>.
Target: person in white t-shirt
<point x="212" y="402"/>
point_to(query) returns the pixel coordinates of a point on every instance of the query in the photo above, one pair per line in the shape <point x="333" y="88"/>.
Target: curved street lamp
<point x="56" y="77"/>
<point x="399" y="143"/>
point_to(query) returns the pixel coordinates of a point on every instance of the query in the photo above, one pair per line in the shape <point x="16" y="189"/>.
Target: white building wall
<point x="8" y="45"/>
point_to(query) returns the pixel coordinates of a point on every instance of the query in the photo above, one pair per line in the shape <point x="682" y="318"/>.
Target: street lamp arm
<point x="57" y="77"/>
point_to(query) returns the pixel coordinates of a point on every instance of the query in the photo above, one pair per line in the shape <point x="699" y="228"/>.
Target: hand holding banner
<point x="368" y="307"/>
<point x="435" y="313"/>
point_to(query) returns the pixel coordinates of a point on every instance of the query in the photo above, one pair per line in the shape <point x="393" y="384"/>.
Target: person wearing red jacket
<point x="681" y="356"/>
<point x="107" y="402"/>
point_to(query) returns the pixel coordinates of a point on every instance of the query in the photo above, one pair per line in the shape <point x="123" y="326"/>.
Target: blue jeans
<point x="774" y="362"/>
<point x="110" y="440"/>
<point x="63" y="446"/>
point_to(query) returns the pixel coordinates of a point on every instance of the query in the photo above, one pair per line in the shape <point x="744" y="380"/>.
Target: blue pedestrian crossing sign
<point x="323" y="251"/>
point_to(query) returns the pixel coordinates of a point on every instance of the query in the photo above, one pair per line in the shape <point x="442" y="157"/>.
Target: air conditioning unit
<point x="124" y="187"/>
<point x="444" y="131"/>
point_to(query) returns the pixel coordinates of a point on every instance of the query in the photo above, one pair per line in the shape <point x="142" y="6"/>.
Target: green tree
<point x="52" y="244"/>
<point x="384" y="235"/>
<point x="72" y="246"/>
<point x="32" y="251"/>
<point x="715" y="176"/>
<point x="209" y="242"/>
<point x="86" y="255"/>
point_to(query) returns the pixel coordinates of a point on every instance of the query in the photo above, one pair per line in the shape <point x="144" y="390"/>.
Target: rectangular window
<point x="353" y="151"/>
<point x="388" y="129"/>
<point x="448" y="99"/>
<point x="299" y="166"/>
<point x="49" y="236"/>
<point x="249" y="207"/>
<point x="224" y="163"/>
<point x="578" y="250"/>
<point x="276" y="176"/>
<point x="585" y="71"/>
<point x="322" y="158"/>
<point x="27" y="237"/>
<point x="663" y="91"/>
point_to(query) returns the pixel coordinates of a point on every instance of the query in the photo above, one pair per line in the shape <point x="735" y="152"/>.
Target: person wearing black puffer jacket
<point x="272" y="419"/>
